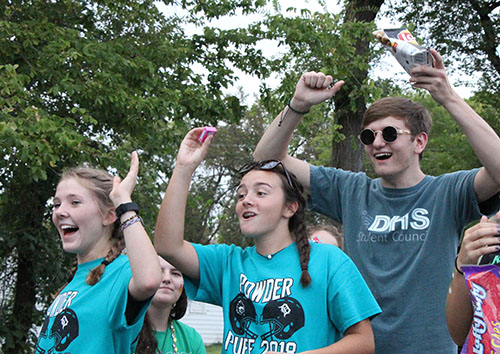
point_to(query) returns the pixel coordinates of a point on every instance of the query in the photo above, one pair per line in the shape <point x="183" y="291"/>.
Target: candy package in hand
<point x="401" y="43"/>
<point x="483" y="282"/>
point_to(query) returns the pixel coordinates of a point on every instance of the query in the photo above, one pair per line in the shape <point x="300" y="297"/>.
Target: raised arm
<point x="478" y="240"/>
<point x="146" y="271"/>
<point x="169" y="232"/>
<point x="311" y="89"/>
<point x="482" y="137"/>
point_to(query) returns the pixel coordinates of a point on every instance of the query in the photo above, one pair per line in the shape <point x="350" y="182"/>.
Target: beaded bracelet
<point x="131" y="221"/>
<point x="130" y="218"/>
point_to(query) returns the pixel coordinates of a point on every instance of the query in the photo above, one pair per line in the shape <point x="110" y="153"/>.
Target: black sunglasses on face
<point x="266" y="165"/>
<point x="389" y="134"/>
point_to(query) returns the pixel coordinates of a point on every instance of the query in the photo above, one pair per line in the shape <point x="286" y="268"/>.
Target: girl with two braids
<point x="101" y="309"/>
<point x="284" y="294"/>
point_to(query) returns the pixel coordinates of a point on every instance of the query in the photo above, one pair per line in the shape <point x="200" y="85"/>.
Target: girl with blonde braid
<point x="282" y="295"/>
<point x="101" y="309"/>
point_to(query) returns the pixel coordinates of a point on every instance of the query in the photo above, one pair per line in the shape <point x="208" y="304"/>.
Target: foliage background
<point x="89" y="81"/>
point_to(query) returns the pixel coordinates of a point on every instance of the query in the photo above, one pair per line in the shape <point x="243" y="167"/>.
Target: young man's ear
<point x="291" y="209"/>
<point x="421" y="142"/>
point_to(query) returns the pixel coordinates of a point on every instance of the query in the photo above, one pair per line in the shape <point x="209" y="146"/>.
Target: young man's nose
<point x="379" y="140"/>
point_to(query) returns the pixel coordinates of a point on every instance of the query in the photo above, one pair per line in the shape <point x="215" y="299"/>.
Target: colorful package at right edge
<point x="483" y="282"/>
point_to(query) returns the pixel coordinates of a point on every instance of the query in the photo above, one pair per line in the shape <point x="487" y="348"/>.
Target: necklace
<point x="174" y="339"/>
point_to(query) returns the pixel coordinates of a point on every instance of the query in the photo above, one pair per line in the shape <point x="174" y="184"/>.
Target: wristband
<point x="294" y="110"/>
<point x="282" y="117"/>
<point x="123" y="208"/>
<point x="456" y="267"/>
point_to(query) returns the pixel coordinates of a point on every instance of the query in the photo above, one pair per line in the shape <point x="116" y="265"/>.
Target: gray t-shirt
<point x="404" y="242"/>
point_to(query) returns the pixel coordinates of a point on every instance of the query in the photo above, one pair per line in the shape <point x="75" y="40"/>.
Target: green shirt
<point x="188" y="340"/>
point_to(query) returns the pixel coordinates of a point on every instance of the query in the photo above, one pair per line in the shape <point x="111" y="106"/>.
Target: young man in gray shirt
<point x="403" y="228"/>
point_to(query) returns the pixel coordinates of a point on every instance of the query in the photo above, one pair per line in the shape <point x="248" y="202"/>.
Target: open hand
<point x="122" y="190"/>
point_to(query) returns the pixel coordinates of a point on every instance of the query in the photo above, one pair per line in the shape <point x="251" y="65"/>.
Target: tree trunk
<point x="24" y="302"/>
<point x="348" y="154"/>
<point x="25" y="225"/>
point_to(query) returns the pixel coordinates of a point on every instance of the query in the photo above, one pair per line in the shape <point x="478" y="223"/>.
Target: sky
<point x="388" y="67"/>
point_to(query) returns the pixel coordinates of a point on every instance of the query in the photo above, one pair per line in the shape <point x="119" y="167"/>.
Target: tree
<point x="336" y="44"/>
<point x="467" y="32"/>
<point x="350" y="102"/>
<point x="89" y="81"/>
<point x="448" y="148"/>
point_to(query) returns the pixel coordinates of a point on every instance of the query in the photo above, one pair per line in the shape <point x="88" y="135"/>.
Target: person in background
<point x="101" y="309"/>
<point x="403" y="228"/>
<point x="325" y="233"/>
<point x="162" y="331"/>
<point x="284" y="294"/>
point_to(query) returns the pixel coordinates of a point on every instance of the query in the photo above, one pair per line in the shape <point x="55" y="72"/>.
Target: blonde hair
<point x="99" y="183"/>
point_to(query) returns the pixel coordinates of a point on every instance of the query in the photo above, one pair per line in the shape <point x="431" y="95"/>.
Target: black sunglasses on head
<point x="389" y="134"/>
<point x="266" y="165"/>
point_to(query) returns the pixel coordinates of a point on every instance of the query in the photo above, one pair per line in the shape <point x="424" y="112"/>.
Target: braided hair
<point x="100" y="183"/>
<point x="297" y="225"/>
<point x="294" y="193"/>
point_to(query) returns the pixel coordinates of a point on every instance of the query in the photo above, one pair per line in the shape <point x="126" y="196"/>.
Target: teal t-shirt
<point x="91" y="319"/>
<point x="188" y="341"/>
<point x="264" y="306"/>
<point x="404" y="242"/>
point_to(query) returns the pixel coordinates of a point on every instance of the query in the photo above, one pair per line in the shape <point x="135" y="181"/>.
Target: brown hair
<point x="331" y="229"/>
<point x="147" y="343"/>
<point x="296" y="224"/>
<point x="416" y="116"/>
<point x="100" y="184"/>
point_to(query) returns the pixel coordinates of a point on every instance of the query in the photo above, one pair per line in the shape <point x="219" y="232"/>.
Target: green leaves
<point x="88" y="82"/>
<point x="466" y="33"/>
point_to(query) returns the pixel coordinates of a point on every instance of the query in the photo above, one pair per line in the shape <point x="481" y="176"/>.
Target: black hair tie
<point x="105" y="262"/>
